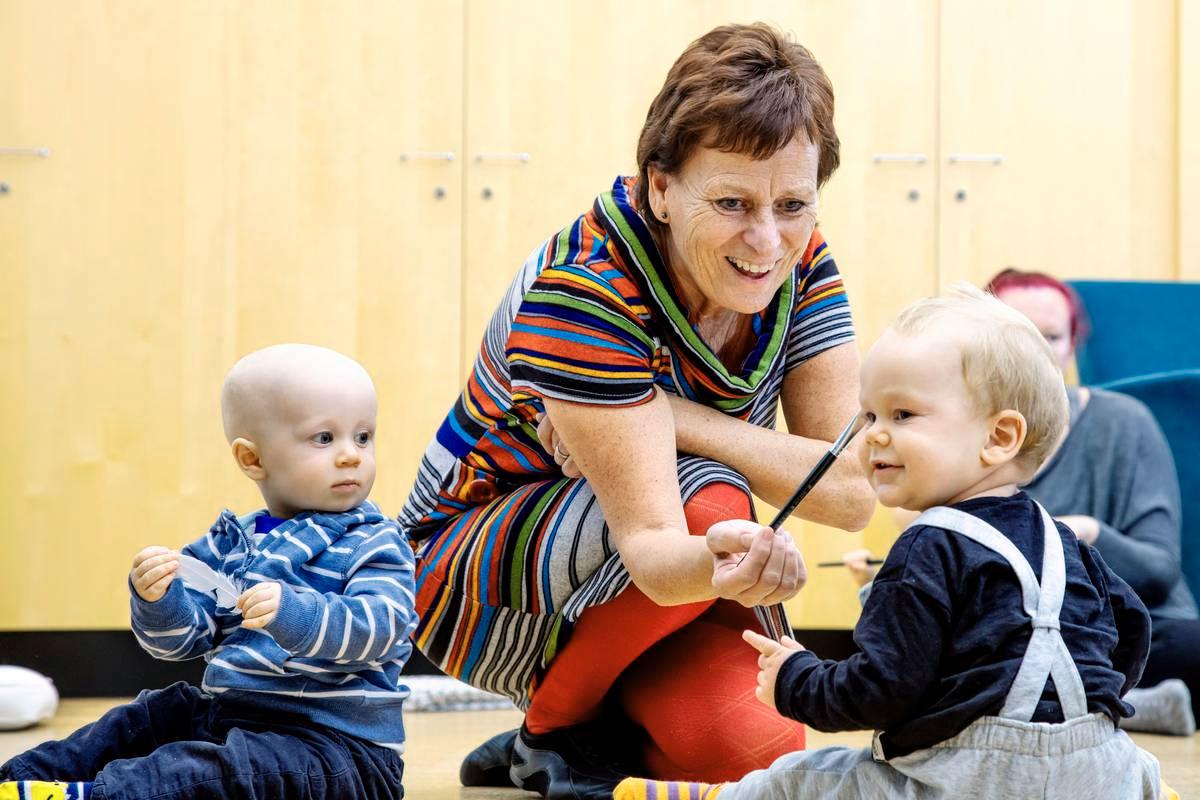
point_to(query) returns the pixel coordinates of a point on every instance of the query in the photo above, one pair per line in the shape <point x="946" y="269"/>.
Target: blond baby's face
<point x="318" y="449"/>
<point x="923" y="442"/>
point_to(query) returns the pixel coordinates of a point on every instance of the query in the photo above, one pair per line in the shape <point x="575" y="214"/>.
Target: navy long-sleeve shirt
<point x="943" y="633"/>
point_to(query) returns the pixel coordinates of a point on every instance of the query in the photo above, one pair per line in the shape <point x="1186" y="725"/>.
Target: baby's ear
<point x="1005" y="438"/>
<point x="245" y="452"/>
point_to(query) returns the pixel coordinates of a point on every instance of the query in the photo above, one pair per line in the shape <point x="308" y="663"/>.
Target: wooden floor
<point x="438" y="741"/>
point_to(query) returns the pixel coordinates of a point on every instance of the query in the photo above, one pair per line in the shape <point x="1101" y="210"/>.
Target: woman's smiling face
<point x="736" y="225"/>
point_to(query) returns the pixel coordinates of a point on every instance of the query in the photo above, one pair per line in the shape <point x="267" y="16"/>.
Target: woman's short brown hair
<point x="745" y="89"/>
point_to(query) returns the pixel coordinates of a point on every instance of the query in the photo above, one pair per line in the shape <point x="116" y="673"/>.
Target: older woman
<point x="554" y="506"/>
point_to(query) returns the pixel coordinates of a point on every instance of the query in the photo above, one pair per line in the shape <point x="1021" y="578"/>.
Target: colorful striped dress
<point x="509" y="551"/>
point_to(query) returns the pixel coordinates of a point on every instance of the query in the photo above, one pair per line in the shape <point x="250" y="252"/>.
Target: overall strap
<point x="1047" y="655"/>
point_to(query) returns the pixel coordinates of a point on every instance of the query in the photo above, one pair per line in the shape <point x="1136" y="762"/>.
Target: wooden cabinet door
<point x="346" y="120"/>
<point x="221" y="176"/>
<point x="1189" y="140"/>
<point x="409" y="286"/>
<point x="1057" y="137"/>
<point x="878" y="213"/>
<point x="555" y="99"/>
<point x="568" y="85"/>
<point x="105" y="245"/>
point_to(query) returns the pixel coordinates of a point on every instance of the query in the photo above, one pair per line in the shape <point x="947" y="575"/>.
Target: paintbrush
<point x="774" y="618"/>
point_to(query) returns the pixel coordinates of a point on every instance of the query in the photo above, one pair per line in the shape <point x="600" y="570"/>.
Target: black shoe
<point x="488" y="764"/>
<point x="567" y="764"/>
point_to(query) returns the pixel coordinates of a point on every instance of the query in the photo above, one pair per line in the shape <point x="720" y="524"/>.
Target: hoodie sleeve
<point x="182" y="623"/>
<point x="370" y="621"/>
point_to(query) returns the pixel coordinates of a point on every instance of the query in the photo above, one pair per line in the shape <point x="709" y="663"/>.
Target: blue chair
<point x="1174" y="399"/>
<point x="1138" y="327"/>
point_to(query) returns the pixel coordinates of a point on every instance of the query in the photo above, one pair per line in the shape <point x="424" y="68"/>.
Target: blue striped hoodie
<point x="334" y="651"/>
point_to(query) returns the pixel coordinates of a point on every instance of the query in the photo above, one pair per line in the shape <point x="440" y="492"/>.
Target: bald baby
<point x="300" y="420"/>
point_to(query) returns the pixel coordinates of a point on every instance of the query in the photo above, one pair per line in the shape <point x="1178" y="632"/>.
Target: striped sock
<point x="44" y="790"/>
<point x="646" y="789"/>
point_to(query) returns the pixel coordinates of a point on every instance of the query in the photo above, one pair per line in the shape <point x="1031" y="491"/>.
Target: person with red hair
<point x="1112" y="481"/>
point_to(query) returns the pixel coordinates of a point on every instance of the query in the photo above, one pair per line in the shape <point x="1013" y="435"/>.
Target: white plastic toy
<point x="26" y="698"/>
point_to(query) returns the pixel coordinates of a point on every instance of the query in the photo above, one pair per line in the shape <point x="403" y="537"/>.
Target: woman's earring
<point x="663" y="216"/>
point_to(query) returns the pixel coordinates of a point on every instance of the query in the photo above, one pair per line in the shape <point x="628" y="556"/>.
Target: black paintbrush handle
<point x="803" y="489"/>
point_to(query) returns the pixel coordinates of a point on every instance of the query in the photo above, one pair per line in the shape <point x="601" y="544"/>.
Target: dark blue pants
<point x="179" y="743"/>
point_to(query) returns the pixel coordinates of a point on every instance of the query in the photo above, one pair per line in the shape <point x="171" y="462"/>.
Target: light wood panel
<point x="570" y="85"/>
<point x="437" y="743"/>
<point x="1188" y="52"/>
<point x="879" y="216"/>
<point x="222" y="177"/>
<point x="1076" y="97"/>
<point x="100" y="238"/>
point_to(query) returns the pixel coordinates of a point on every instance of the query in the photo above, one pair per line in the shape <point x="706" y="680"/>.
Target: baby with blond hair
<point x="302" y="610"/>
<point x="994" y="647"/>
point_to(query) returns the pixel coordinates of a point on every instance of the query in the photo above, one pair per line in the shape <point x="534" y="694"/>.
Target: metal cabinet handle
<point x="521" y="157"/>
<point x="38" y="152"/>
<point x="435" y="155"/>
<point x="910" y="158"/>
<point x="975" y="158"/>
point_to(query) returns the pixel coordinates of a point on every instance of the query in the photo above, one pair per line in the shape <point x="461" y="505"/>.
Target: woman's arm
<point x="628" y="456"/>
<point x="1141" y="543"/>
<point x="819" y="397"/>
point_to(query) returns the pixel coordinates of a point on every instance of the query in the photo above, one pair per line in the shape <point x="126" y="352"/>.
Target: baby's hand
<point x="259" y="604"/>
<point x="771" y="655"/>
<point x="153" y="571"/>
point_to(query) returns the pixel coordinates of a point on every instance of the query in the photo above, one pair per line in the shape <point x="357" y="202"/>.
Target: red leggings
<point x="681" y="672"/>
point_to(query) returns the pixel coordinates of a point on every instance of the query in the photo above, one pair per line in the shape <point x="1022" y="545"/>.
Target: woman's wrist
<point x="688" y="418"/>
<point x="680" y="569"/>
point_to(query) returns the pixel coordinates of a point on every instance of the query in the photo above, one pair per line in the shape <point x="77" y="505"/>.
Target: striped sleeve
<point x="577" y="338"/>
<point x="370" y="621"/>
<point x="182" y="623"/>
<point x="821" y="319"/>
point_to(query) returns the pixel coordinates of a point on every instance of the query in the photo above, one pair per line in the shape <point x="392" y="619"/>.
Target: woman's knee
<point x="716" y="502"/>
<point x="694" y="694"/>
<point x="731" y="746"/>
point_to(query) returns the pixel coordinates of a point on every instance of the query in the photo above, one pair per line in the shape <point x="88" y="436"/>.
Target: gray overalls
<point x="1005" y="756"/>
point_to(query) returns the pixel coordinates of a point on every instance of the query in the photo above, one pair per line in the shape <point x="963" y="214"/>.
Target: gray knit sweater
<point x="1116" y="466"/>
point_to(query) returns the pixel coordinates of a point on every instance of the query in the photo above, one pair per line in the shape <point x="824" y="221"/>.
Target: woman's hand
<point x="754" y="565"/>
<point x="771" y="655"/>
<point x="553" y="444"/>
<point x="1085" y="528"/>
<point x="153" y="571"/>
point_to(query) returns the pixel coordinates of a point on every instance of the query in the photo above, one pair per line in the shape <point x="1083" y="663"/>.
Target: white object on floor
<point x="26" y="698"/>
<point x="442" y="693"/>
